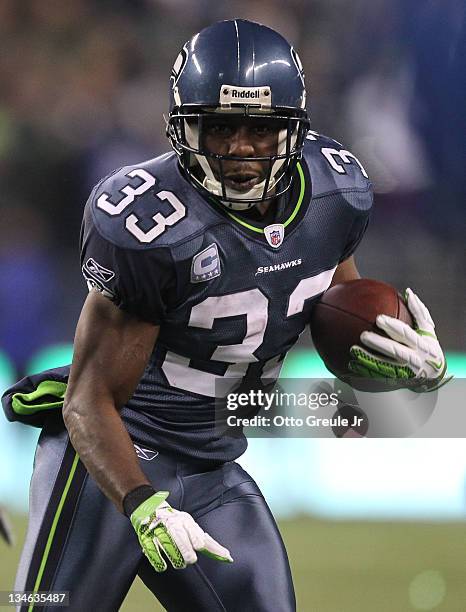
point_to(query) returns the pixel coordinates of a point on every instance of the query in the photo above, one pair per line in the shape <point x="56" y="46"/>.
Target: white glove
<point x="162" y="528"/>
<point x="411" y="353"/>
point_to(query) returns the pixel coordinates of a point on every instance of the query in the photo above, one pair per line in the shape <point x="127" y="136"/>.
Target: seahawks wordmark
<point x="281" y="266"/>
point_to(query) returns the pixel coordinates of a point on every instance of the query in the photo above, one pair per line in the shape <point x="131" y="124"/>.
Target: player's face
<point x="241" y="137"/>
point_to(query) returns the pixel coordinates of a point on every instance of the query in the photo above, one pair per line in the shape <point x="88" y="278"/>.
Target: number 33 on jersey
<point x="230" y="303"/>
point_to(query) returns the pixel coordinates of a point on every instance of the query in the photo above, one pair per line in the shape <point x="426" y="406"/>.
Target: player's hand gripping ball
<point x="162" y="529"/>
<point x="400" y="332"/>
<point x="413" y="354"/>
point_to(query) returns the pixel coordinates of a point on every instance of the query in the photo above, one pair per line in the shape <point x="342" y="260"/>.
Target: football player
<point x="203" y="265"/>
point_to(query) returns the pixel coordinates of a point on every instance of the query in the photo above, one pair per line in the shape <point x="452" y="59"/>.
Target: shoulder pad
<point x="148" y="205"/>
<point x="332" y="167"/>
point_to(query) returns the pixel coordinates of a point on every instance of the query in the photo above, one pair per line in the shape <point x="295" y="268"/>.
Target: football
<point x="345" y="311"/>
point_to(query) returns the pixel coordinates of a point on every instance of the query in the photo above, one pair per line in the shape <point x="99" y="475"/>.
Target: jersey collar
<point x="293" y="211"/>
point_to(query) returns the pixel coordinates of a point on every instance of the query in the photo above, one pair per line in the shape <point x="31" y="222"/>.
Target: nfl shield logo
<point x="275" y="234"/>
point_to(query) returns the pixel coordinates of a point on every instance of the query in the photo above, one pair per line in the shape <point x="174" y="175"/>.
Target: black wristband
<point x="134" y="498"/>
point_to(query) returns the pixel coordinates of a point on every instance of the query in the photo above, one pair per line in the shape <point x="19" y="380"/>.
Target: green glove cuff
<point x="147" y="508"/>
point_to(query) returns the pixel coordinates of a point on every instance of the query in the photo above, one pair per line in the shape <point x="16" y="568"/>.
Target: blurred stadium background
<point x="371" y="525"/>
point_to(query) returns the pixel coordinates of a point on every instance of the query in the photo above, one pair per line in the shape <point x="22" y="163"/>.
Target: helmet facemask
<point x="186" y="130"/>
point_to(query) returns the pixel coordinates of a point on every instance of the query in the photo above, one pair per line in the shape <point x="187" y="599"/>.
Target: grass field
<point x="347" y="566"/>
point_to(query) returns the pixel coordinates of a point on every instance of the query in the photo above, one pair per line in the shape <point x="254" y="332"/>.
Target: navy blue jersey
<point x="230" y="295"/>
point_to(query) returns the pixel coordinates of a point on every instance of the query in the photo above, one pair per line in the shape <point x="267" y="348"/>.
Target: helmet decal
<point x="178" y="66"/>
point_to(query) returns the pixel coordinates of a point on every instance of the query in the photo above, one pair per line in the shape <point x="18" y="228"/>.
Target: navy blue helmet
<point x="230" y="68"/>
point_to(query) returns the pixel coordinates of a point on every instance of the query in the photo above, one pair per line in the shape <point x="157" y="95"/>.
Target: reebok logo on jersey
<point x="281" y="266"/>
<point x="97" y="271"/>
<point x="205" y="265"/>
<point x="145" y="453"/>
<point x="96" y="276"/>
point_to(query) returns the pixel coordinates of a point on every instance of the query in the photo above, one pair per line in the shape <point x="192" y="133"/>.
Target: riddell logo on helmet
<point x="238" y="93"/>
<point x="257" y="96"/>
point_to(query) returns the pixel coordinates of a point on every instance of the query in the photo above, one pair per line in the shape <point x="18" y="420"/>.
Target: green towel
<point x="48" y="395"/>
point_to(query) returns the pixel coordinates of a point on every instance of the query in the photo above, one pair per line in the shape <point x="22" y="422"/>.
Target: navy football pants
<point x="78" y="542"/>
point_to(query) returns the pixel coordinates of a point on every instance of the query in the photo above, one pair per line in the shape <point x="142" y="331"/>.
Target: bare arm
<point x="345" y="271"/>
<point x="111" y="351"/>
